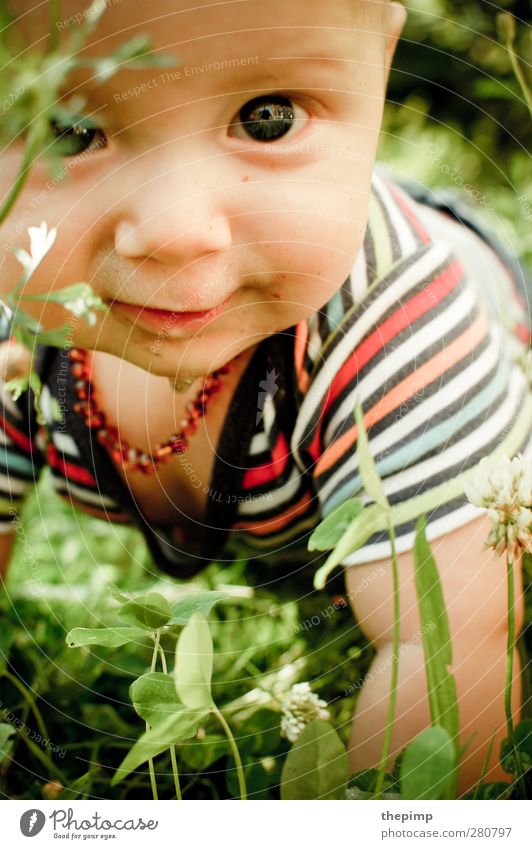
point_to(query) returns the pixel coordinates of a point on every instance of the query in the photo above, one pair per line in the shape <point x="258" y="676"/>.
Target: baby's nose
<point x="172" y="215"/>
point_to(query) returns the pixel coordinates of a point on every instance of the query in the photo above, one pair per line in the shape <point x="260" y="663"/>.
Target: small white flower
<point x="299" y="708"/>
<point x="41" y="240"/>
<point x="504" y="488"/>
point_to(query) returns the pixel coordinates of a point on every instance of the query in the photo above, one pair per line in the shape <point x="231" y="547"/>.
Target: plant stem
<point x="509" y="674"/>
<point x="44" y="759"/>
<point x="234" y="749"/>
<point x="30" y="154"/>
<point x="54" y="18"/>
<point x="150" y="761"/>
<point x="395" y="669"/>
<point x="485" y="766"/>
<point x="30" y="700"/>
<point x="519" y="75"/>
<point x="172" y="748"/>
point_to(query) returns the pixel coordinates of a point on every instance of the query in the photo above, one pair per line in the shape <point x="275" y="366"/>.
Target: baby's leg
<point x="474" y="587"/>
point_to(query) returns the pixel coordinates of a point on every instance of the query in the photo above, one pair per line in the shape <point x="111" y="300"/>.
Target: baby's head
<point x="238" y="178"/>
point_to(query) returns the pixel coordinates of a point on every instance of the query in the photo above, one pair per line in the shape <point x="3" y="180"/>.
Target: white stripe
<point x="482" y="264"/>
<point x="467" y="446"/>
<point x="259" y="444"/>
<point x="277" y="498"/>
<point x="391" y="296"/>
<point x="434" y="530"/>
<point x="64" y="443"/>
<point x="407" y="241"/>
<point x="93" y="498"/>
<point x="359" y="277"/>
<point x="45" y="402"/>
<point x="392" y="364"/>
<point x="268" y="413"/>
<point x="13" y="485"/>
<point x="5" y="439"/>
<point x="403" y="425"/>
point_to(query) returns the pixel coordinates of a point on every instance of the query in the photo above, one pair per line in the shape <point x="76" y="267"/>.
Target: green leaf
<point x="6" y="731"/>
<point x="176" y="728"/>
<point x="437" y="646"/>
<point x="81" y="787"/>
<point x="330" y="531"/>
<point x="185" y="607"/>
<point x="523" y="743"/>
<point x="150" y="611"/>
<point x="154" y="697"/>
<point x="7" y="638"/>
<point x="201" y="754"/>
<point x="17" y="386"/>
<point x="111" y="637"/>
<point x="366" y="523"/>
<point x="55" y="338"/>
<point x="368" y="469"/>
<point x="316" y="767"/>
<point x="193" y="668"/>
<point x="260" y="733"/>
<point x="428" y="764"/>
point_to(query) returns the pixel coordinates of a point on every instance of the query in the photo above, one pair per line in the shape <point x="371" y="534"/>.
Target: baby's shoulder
<point x="422" y="252"/>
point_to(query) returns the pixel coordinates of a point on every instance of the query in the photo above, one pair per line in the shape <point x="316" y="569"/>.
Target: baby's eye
<point x="267" y="118"/>
<point x="72" y="138"/>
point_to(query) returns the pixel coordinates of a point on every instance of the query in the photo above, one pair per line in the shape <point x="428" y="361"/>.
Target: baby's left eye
<point x="71" y="139"/>
<point x="266" y="119"/>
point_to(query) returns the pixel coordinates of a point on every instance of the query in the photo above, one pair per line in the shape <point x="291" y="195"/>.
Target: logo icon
<point x="269" y="388"/>
<point x="32" y="822"/>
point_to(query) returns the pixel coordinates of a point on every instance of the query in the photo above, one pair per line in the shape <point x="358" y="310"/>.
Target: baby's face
<point x="237" y="179"/>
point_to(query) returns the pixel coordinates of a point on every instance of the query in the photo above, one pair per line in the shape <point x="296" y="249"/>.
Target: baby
<point x="261" y="275"/>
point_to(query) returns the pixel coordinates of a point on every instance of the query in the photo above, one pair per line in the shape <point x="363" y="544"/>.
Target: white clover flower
<point x="299" y="708"/>
<point x="503" y="487"/>
<point x="41" y="240"/>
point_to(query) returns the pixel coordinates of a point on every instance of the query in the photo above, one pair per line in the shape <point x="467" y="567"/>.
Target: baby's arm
<point x="6" y="545"/>
<point x="475" y="592"/>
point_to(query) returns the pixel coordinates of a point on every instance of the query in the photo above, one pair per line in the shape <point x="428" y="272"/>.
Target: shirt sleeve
<point x="20" y="461"/>
<point x="433" y="345"/>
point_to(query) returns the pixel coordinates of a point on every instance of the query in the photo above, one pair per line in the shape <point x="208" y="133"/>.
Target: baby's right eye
<point x="267" y="118"/>
<point x="72" y="138"/>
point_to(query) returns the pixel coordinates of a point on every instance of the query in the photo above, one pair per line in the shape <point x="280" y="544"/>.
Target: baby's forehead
<point x="223" y="47"/>
<point x="172" y="22"/>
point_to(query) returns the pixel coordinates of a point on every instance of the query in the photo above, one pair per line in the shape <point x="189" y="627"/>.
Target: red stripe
<point x="268" y="471"/>
<point x="409" y="213"/>
<point x="524" y="334"/>
<point x="18" y="438"/>
<point x="69" y="470"/>
<point x="407" y="313"/>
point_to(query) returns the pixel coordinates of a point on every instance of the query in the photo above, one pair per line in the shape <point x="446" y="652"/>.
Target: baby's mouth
<point x="165" y="320"/>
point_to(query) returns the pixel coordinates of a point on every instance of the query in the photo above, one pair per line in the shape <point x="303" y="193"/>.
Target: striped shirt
<point x="429" y="333"/>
